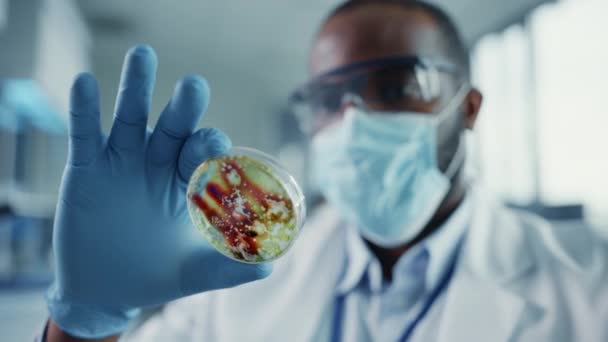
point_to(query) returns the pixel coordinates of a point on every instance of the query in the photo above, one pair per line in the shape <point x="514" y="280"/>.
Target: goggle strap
<point x="454" y="102"/>
<point x="457" y="160"/>
<point x="459" y="156"/>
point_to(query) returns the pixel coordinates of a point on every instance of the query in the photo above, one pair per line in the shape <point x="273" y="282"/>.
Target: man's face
<point x="373" y="32"/>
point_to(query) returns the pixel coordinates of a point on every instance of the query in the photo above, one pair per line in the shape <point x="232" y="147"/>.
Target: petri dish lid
<point x="246" y="205"/>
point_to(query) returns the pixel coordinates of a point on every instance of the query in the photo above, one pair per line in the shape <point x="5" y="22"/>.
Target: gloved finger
<point x="85" y="130"/>
<point x="203" y="144"/>
<point x="207" y="270"/>
<point x="133" y="99"/>
<point x="179" y="119"/>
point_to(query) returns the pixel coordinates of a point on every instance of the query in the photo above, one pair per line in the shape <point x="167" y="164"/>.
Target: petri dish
<point x="246" y="205"/>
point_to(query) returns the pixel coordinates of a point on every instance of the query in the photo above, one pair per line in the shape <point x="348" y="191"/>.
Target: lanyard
<point x="337" y="322"/>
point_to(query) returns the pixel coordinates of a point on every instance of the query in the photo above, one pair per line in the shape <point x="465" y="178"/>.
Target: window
<point x="543" y="131"/>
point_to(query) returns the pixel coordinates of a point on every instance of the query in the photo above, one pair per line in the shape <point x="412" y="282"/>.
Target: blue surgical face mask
<point x="380" y="170"/>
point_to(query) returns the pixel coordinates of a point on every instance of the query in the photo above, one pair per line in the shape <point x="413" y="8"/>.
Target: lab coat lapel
<point x="479" y="311"/>
<point x="483" y="302"/>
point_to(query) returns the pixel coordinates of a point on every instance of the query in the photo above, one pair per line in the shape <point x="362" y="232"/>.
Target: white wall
<point x="568" y="93"/>
<point x="572" y="61"/>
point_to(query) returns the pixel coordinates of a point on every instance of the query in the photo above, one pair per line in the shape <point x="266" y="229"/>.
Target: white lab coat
<point x="518" y="279"/>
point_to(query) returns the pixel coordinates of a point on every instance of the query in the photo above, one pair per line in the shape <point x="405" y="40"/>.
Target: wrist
<point x="86" y="320"/>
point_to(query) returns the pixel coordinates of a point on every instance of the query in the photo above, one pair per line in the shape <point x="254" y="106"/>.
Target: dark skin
<point x="376" y="31"/>
<point x="368" y="33"/>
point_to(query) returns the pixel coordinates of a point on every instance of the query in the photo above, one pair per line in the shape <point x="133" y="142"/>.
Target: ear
<point x="472" y="104"/>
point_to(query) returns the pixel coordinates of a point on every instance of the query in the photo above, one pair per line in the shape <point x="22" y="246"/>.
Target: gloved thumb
<point x="207" y="270"/>
<point x="203" y="144"/>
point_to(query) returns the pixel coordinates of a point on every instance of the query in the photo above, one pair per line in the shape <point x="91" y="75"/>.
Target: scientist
<point x="407" y="249"/>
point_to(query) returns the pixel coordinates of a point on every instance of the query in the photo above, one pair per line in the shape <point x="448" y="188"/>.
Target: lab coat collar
<point x="496" y="247"/>
<point x="443" y="244"/>
<point x="356" y="261"/>
<point x="440" y="246"/>
<point x="495" y="257"/>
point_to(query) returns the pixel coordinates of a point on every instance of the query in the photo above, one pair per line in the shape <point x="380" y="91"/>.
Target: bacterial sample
<point x="246" y="205"/>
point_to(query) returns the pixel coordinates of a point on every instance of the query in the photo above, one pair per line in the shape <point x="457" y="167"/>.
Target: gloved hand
<point x="122" y="236"/>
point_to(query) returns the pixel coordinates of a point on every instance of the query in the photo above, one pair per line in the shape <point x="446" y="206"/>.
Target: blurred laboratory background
<point x="540" y="143"/>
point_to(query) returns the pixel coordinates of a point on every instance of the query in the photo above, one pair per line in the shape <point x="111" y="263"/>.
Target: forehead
<point x="370" y="32"/>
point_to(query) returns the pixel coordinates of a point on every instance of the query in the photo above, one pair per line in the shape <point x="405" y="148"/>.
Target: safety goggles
<point x="390" y="84"/>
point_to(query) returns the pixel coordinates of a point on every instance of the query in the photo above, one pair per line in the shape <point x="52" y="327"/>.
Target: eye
<point x="399" y="94"/>
<point x="394" y="87"/>
<point x="412" y="90"/>
<point x="392" y="93"/>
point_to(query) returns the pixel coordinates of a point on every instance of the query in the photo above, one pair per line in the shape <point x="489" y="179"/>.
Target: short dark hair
<point x="455" y="48"/>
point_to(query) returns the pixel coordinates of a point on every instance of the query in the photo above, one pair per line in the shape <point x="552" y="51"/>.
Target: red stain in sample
<point x="249" y="187"/>
<point x="237" y="227"/>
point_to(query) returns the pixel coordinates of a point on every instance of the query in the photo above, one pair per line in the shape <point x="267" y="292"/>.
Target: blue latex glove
<point x="122" y="237"/>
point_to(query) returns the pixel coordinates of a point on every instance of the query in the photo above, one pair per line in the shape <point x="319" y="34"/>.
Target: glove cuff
<point x="87" y="321"/>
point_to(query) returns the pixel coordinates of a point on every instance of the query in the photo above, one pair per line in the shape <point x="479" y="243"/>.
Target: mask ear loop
<point x="457" y="160"/>
<point x="454" y="102"/>
<point x="459" y="156"/>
